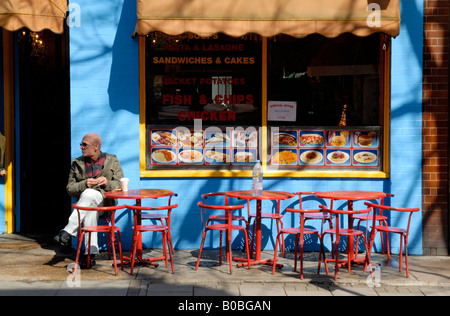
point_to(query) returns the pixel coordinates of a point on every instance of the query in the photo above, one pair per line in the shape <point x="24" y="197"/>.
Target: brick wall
<point x="435" y="128"/>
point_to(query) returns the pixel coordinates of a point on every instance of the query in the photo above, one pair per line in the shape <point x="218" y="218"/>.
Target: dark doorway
<point x="43" y="157"/>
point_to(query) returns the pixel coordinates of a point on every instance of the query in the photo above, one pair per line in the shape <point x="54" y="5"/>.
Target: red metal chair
<point x="226" y="227"/>
<point x="162" y="217"/>
<point x="339" y="231"/>
<point x="222" y="217"/>
<point x="319" y="215"/>
<point x="159" y="217"/>
<point x="382" y="219"/>
<point x="299" y="235"/>
<point x="403" y="232"/>
<point x="110" y="229"/>
<point x="164" y="229"/>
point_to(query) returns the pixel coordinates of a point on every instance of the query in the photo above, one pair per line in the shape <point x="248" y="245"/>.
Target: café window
<point x="203" y="101"/>
<point x="311" y="104"/>
<point x="324" y="96"/>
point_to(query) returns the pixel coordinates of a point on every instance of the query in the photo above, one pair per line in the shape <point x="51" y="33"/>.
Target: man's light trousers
<point x="89" y="197"/>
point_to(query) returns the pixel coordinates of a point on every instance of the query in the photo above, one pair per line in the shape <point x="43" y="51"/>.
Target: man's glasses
<point x="85" y="144"/>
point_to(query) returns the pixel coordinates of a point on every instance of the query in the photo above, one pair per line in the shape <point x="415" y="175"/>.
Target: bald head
<point x="94" y="139"/>
<point x="91" y="145"/>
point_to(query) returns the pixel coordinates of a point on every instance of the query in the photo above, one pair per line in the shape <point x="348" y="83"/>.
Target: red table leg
<point x="351" y="244"/>
<point x="138" y="221"/>
<point x="258" y="236"/>
<point x="258" y="231"/>
<point x="139" y="259"/>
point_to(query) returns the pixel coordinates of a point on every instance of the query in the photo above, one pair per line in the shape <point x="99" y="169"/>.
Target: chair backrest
<point x="228" y="209"/>
<point x="305" y="194"/>
<point x="111" y="209"/>
<point x="342" y="212"/>
<point x="167" y="208"/>
<point x="151" y="208"/>
<point x="376" y="207"/>
<point x="163" y="199"/>
<point x="205" y="196"/>
<point x="382" y="201"/>
<point x="302" y="213"/>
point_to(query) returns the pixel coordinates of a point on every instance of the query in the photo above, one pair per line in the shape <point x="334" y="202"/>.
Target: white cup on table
<point x="124" y="184"/>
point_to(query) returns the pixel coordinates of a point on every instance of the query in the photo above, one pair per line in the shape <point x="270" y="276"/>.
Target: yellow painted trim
<point x="267" y="174"/>
<point x="387" y="106"/>
<point x="263" y="143"/>
<point x="8" y="77"/>
<point x="142" y="103"/>
<point x="327" y="174"/>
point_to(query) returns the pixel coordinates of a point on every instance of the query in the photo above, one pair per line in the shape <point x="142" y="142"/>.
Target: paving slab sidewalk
<point x="32" y="266"/>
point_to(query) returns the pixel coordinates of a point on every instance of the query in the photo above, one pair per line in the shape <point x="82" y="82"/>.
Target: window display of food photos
<point x="210" y="147"/>
<point x="324" y="148"/>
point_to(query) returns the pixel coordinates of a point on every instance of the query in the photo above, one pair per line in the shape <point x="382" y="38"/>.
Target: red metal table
<point x="138" y="195"/>
<point x="266" y="195"/>
<point x="351" y="196"/>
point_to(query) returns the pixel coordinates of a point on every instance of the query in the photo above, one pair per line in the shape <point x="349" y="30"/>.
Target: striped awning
<point x="36" y="15"/>
<point x="269" y="17"/>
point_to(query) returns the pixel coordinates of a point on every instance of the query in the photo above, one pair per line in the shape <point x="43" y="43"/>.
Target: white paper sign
<point x="282" y="111"/>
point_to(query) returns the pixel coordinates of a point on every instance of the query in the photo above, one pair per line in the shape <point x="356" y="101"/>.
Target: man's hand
<point x="102" y="181"/>
<point x="92" y="182"/>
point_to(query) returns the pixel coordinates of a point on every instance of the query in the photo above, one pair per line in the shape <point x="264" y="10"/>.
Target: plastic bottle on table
<point x="257" y="184"/>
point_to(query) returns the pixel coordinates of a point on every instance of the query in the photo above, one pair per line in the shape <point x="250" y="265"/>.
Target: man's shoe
<point x="63" y="238"/>
<point x="83" y="262"/>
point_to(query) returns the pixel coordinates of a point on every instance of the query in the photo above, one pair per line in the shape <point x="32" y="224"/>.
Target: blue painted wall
<point x="105" y="99"/>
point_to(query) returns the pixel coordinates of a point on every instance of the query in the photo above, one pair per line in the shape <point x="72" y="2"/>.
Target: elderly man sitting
<point x="92" y="174"/>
